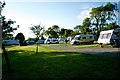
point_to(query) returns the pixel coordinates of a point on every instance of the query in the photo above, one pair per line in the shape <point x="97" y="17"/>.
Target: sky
<point x="64" y="14"/>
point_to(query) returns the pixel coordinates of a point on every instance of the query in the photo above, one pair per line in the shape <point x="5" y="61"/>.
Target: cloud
<point x="83" y="14"/>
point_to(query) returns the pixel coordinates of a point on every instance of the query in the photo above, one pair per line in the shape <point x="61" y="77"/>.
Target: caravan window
<point x="84" y="37"/>
<point x="90" y="36"/>
<point x="105" y="36"/>
<point x="108" y="35"/>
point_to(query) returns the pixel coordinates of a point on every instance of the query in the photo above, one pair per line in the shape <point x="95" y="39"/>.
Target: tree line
<point x="101" y="18"/>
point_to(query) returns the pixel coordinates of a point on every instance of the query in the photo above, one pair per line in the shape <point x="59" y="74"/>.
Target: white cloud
<point x="83" y="14"/>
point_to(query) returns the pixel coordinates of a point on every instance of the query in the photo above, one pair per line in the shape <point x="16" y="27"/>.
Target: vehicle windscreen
<point x="75" y="38"/>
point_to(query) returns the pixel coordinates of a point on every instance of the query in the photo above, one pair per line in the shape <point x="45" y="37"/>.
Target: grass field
<point x="90" y="45"/>
<point x="86" y="46"/>
<point x="58" y="65"/>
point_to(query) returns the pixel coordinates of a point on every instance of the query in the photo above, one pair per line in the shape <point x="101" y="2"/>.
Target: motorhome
<point x="109" y="36"/>
<point x="82" y="38"/>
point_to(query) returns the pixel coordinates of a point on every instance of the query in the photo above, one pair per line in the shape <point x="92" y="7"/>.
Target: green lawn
<point x="90" y="45"/>
<point x="58" y="65"/>
<point x="86" y="46"/>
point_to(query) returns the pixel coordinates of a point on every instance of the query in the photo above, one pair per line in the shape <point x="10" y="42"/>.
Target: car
<point x="30" y="42"/>
<point x="51" y="41"/>
<point x="40" y="41"/>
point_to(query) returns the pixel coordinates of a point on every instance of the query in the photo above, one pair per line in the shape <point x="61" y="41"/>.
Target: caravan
<point x="51" y="41"/>
<point x="82" y="38"/>
<point x="109" y="37"/>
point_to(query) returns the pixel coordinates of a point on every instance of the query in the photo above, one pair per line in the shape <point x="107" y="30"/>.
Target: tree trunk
<point x="37" y="49"/>
<point x="97" y="26"/>
<point x="6" y="58"/>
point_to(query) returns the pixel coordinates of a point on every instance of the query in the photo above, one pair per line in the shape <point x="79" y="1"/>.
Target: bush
<point x="23" y="43"/>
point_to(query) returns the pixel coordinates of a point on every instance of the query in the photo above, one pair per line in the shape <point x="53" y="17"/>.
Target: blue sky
<point x="64" y="14"/>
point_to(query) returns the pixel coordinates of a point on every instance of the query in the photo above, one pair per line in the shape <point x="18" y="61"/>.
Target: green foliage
<point x="20" y="37"/>
<point x="112" y="26"/>
<point x="56" y="28"/>
<point x="36" y="29"/>
<point x="101" y="15"/>
<point x="7" y="28"/>
<point x="7" y="25"/>
<point x="42" y="37"/>
<point x="53" y="32"/>
<point x="85" y="28"/>
<point x="66" y="33"/>
<point x="69" y="32"/>
<point x="77" y="28"/>
<point x="62" y="32"/>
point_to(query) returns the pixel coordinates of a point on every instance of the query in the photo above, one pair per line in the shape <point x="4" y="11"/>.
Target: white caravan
<point x="109" y="36"/>
<point x="82" y="38"/>
<point x="51" y="41"/>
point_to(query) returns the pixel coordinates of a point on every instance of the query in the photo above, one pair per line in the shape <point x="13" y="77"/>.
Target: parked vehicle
<point x="110" y="37"/>
<point x="51" y="41"/>
<point x="30" y="42"/>
<point x="23" y="43"/>
<point x="40" y="41"/>
<point x="11" y="42"/>
<point x="82" y="38"/>
<point x="62" y="39"/>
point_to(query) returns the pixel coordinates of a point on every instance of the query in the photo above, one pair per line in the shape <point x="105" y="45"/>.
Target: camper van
<point x="109" y="37"/>
<point x="82" y="38"/>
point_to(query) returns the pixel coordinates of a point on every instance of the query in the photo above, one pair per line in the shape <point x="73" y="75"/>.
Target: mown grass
<point x="86" y="46"/>
<point x="91" y="45"/>
<point x="58" y="65"/>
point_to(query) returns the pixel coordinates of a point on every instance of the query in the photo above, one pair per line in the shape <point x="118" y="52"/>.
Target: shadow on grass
<point x="60" y="65"/>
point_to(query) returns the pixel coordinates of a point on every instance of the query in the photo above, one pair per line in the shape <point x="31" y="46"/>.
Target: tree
<point x="7" y="30"/>
<point x="56" y="28"/>
<point x="112" y="26"/>
<point x="53" y="32"/>
<point x="7" y="25"/>
<point x="85" y="28"/>
<point x="68" y="32"/>
<point x="37" y="30"/>
<point x="20" y="37"/>
<point x="77" y="28"/>
<point x="62" y="32"/>
<point x="101" y="16"/>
